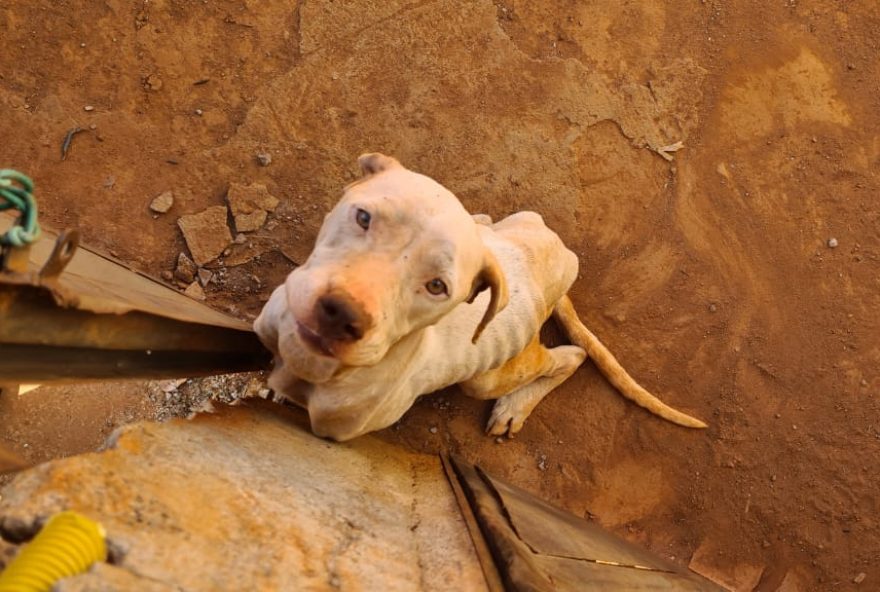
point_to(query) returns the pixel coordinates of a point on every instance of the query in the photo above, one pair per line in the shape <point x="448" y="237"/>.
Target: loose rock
<point x="162" y="202"/>
<point x="860" y="578"/>
<point x="264" y="158"/>
<point x="832" y="243"/>
<point x="186" y="269"/>
<point x="195" y="292"/>
<point x="710" y="563"/>
<point x="206" y="233"/>
<point x="250" y="205"/>
<point x="153" y="82"/>
<point x="205" y="276"/>
<point x="167" y="275"/>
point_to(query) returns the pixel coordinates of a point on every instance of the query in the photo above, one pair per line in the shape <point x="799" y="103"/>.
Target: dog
<point x="406" y="293"/>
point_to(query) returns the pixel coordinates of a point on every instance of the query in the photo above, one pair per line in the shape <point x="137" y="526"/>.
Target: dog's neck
<point x="399" y="356"/>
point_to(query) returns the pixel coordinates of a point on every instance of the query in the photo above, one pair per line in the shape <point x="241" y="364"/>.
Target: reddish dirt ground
<point x="711" y="277"/>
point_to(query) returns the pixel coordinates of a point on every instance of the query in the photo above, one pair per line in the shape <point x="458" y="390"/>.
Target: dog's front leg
<point x="522" y="382"/>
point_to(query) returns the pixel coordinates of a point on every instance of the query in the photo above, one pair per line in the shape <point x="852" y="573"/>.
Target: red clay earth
<point x="712" y="276"/>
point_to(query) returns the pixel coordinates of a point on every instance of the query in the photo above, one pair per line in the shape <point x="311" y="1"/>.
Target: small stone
<point x="860" y="578"/>
<point x="765" y="544"/>
<point x="832" y="243"/>
<point x="240" y="239"/>
<point x="264" y="158"/>
<point x="433" y="429"/>
<point x="205" y="276"/>
<point x="712" y="308"/>
<point x="88" y="108"/>
<point x="773" y="478"/>
<point x="206" y="233"/>
<point x="82" y="44"/>
<point x="153" y="82"/>
<point x="542" y="463"/>
<point x="186" y="269"/>
<point x="109" y="182"/>
<point x="199" y="112"/>
<point x="708" y="561"/>
<point x="17" y="529"/>
<point x="162" y="202"/>
<point x="167" y="275"/>
<point x="195" y="291"/>
<point x="499" y="440"/>
<point x="250" y="205"/>
<point x="93" y="126"/>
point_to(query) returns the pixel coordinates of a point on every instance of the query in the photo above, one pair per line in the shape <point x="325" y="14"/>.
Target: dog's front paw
<point x="509" y="414"/>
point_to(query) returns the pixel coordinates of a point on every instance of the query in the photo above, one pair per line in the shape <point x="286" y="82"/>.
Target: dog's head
<point x="396" y="254"/>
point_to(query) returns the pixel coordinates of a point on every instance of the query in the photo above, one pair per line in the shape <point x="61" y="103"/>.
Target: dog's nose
<point x="340" y="318"/>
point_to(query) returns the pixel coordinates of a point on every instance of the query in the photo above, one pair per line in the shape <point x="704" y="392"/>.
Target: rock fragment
<point x="186" y="269"/>
<point x="250" y="205"/>
<point x="206" y="233"/>
<point x="710" y="563"/>
<point x="204" y="276"/>
<point x="195" y="292"/>
<point x="162" y="202"/>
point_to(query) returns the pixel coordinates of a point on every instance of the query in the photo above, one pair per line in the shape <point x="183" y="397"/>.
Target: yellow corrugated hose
<point x="67" y="545"/>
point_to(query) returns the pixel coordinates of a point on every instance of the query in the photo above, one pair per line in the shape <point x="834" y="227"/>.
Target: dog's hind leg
<point x="522" y="382"/>
<point x="511" y="411"/>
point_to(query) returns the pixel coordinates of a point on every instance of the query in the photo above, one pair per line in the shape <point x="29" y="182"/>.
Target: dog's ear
<point x="490" y="277"/>
<point x="375" y="162"/>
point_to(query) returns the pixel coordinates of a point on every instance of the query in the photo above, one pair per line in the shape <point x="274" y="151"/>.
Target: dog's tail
<point x="613" y="371"/>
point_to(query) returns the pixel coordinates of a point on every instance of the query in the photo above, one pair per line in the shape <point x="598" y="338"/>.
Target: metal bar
<point x="97" y="319"/>
<point x="48" y="364"/>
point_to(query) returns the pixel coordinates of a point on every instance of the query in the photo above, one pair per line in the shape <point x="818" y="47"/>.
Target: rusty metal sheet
<point x="537" y="547"/>
<point x="481" y="548"/>
<point x="97" y="319"/>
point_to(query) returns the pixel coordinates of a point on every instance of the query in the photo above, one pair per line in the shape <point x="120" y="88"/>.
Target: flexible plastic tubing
<point x="69" y="544"/>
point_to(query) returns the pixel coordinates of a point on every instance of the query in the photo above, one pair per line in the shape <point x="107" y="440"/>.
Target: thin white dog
<point x="406" y="293"/>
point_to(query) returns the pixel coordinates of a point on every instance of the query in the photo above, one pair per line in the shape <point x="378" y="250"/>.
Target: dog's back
<point x="539" y="270"/>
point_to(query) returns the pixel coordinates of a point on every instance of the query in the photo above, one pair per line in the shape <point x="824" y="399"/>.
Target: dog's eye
<point x="436" y="287"/>
<point x="362" y="217"/>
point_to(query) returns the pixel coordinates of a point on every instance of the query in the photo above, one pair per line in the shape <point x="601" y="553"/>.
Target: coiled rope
<point x="16" y="192"/>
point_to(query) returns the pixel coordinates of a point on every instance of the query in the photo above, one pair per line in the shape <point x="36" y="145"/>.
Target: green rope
<point x="16" y="193"/>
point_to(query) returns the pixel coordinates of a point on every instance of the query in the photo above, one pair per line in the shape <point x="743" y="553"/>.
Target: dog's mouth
<point x="318" y="344"/>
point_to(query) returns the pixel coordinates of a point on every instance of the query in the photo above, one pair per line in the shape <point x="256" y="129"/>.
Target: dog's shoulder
<point x="530" y="251"/>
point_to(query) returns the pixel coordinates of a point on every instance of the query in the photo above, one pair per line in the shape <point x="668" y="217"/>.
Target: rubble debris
<point x="186" y="269"/>
<point x="204" y="276"/>
<point x="206" y="233"/>
<point x="250" y="205"/>
<point x="153" y="82"/>
<point x="667" y="152"/>
<point x="709" y="563"/>
<point x="195" y="292"/>
<point x="162" y="202"/>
